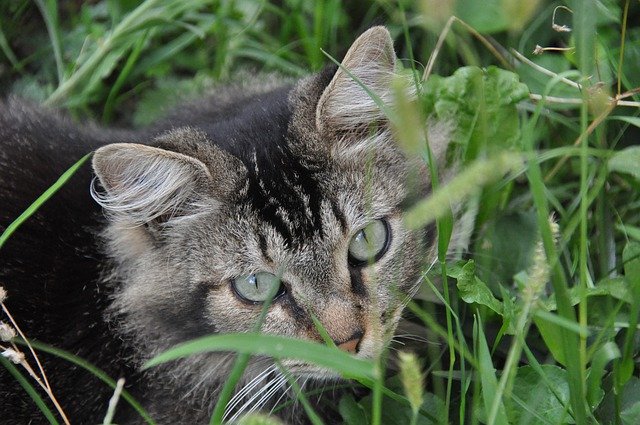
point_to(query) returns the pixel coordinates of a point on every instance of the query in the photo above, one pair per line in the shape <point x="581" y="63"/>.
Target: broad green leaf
<point x="278" y="347"/>
<point x="630" y="415"/>
<point x="473" y="290"/>
<point x="615" y="287"/>
<point x="547" y="396"/>
<point x="624" y="406"/>
<point x="482" y="103"/>
<point x="626" y="161"/>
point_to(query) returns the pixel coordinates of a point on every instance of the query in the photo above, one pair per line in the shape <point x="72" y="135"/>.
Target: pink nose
<point x="352" y="345"/>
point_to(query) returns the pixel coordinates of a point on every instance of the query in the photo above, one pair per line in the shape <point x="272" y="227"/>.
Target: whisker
<point x="284" y="393"/>
<point x="275" y="383"/>
<point x="268" y="395"/>
<point x="235" y="400"/>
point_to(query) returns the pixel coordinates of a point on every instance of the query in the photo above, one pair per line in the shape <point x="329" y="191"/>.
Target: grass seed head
<point x="13" y="356"/>
<point x="7" y="332"/>
<point x="411" y="377"/>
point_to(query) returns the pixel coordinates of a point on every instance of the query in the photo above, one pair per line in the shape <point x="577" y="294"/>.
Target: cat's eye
<point x="370" y="243"/>
<point x="258" y="287"/>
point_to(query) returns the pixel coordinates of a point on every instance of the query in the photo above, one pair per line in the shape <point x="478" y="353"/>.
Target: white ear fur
<point x="142" y="183"/>
<point x="344" y="104"/>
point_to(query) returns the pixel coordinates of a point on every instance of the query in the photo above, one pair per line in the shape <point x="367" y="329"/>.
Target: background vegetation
<point x="538" y="323"/>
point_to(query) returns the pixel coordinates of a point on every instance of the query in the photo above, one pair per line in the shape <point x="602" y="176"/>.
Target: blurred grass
<point x="127" y="61"/>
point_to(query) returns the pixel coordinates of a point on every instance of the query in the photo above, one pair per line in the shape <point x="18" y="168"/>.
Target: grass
<point x="535" y="325"/>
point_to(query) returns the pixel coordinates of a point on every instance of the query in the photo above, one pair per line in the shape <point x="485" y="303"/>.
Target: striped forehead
<point x="285" y="193"/>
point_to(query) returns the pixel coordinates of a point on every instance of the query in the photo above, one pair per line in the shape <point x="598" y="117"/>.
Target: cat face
<point x="300" y="199"/>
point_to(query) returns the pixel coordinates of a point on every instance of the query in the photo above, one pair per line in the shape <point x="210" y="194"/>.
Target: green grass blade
<point x="278" y="347"/>
<point x="95" y="371"/>
<point x="33" y="393"/>
<point x="311" y="414"/>
<point x="494" y="409"/>
<point x="41" y="200"/>
<point x="49" y="11"/>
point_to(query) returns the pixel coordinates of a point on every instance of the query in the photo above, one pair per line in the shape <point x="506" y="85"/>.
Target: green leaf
<point x="615" y="287"/>
<point x="278" y="347"/>
<point x="547" y="396"/>
<point x="482" y="103"/>
<point x="552" y="335"/>
<point x="472" y="289"/>
<point x="626" y="161"/>
<point x="624" y="406"/>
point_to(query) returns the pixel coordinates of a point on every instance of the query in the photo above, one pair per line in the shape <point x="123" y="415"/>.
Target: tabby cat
<point x="295" y="190"/>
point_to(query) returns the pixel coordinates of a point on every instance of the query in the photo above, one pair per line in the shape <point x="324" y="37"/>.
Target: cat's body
<point x="270" y="181"/>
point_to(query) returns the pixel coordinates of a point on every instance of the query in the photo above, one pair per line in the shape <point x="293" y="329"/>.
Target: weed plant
<point x="537" y="323"/>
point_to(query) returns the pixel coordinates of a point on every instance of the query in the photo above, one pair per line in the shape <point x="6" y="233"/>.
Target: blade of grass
<point x="41" y="200"/>
<point x="311" y="414"/>
<point x="584" y="25"/>
<point x="33" y="393"/>
<point x="98" y="373"/>
<point x="109" y="106"/>
<point x="49" y="11"/>
<point x="278" y="347"/>
<point x="6" y="49"/>
<point x="494" y="407"/>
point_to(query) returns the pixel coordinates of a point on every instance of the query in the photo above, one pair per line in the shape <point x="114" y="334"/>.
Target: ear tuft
<point x="143" y="183"/>
<point x="345" y="105"/>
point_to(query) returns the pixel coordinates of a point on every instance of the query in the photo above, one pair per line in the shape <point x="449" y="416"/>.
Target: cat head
<point x="297" y="193"/>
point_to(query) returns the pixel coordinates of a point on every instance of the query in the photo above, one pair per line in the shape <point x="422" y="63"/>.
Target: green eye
<point x="258" y="287"/>
<point x="370" y="243"/>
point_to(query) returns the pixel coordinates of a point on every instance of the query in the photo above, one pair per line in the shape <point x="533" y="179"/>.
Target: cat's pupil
<point x="369" y="244"/>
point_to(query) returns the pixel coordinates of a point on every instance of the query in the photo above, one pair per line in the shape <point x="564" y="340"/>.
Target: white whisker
<point x="235" y="400"/>
<point x="277" y="382"/>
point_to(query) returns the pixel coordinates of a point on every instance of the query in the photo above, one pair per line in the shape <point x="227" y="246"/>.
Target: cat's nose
<point x="352" y="344"/>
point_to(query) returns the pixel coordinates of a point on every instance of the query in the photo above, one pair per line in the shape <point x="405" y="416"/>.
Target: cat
<point x="293" y="189"/>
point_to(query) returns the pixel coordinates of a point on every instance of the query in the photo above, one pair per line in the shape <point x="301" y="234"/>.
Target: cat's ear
<point x="344" y="105"/>
<point x="142" y="184"/>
